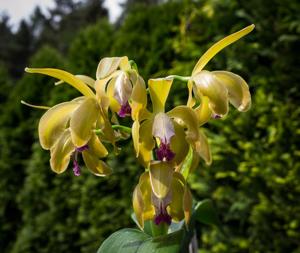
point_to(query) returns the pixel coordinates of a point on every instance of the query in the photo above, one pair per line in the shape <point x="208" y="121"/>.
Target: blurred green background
<point x="254" y="180"/>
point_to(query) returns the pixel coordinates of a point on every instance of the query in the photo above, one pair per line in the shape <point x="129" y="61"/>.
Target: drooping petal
<point x="136" y="136"/>
<point x="138" y="205"/>
<point x="187" y="204"/>
<point x="191" y="100"/>
<point x="87" y="79"/>
<point x="96" y="166"/>
<point x="146" y="142"/>
<point x="176" y="206"/>
<point x="217" y="47"/>
<point x="206" y="84"/>
<point x="83" y="120"/>
<point x="186" y="117"/>
<point x="138" y="99"/>
<point x="179" y="144"/>
<point x="96" y="147"/>
<point x="163" y="127"/>
<point x="108" y="65"/>
<point x="61" y="152"/>
<point x="66" y="77"/>
<point x="202" y="148"/>
<point x="159" y="90"/>
<point x="53" y="123"/>
<point x="161" y="177"/>
<point x="123" y="88"/>
<point x="113" y="102"/>
<point x="203" y="111"/>
<point x="238" y="90"/>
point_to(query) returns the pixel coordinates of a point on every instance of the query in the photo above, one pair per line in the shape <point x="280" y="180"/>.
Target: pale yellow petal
<point x="191" y="100"/>
<point x="159" y="90"/>
<point x="96" y="147"/>
<point x="53" y="123"/>
<point x="203" y="111"/>
<point x="138" y="99"/>
<point x="238" y="90"/>
<point x="83" y="120"/>
<point x="206" y="84"/>
<point x="138" y="205"/>
<point x="217" y="47"/>
<point x="186" y="117"/>
<point x="65" y="76"/>
<point x="146" y="142"/>
<point x="175" y="209"/>
<point x="96" y="166"/>
<point x="179" y="144"/>
<point x="203" y="149"/>
<point x="110" y="64"/>
<point x="61" y="152"/>
<point x="146" y="190"/>
<point x="161" y="178"/>
<point x="136" y="136"/>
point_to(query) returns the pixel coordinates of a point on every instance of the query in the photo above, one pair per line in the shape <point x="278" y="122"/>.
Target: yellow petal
<point x="175" y="209"/>
<point x="217" y="47"/>
<point x="191" y="100"/>
<point x="187" y="204"/>
<point x="159" y="90"/>
<point x="83" y="120"/>
<point x="110" y="64"/>
<point x="202" y="148"/>
<point x="145" y="187"/>
<point x="96" y="147"/>
<point x="96" y="166"/>
<point x="54" y="121"/>
<point x="65" y="76"/>
<point x="138" y="99"/>
<point x="206" y="84"/>
<point x="146" y="142"/>
<point x="136" y="136"/>
<point x="161" y="178"/>
<point x="186" y="117"/>
<point x="138" y="205"/>
<point x="113" y="103"/>
<point x="238" y="90"/>
<point x="203" y="111"/>
<point x="179" y="144"/>
<point x="61" y="152"/>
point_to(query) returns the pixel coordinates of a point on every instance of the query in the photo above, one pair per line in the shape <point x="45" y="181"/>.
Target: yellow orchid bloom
<point x="167" y="129"/>
<point x="119" y="81"/>
<point x="214" y="89"/>
<point x="68" y="128"/>
<point x="162" y="195"/>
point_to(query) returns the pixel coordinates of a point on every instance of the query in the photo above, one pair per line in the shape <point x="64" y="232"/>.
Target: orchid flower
<point x="167" y="129"/>
<point x="162" y="197"/>
<point x="118" y="80"/>
<point x="67" y="129"/>
<point x="214" y="89"/>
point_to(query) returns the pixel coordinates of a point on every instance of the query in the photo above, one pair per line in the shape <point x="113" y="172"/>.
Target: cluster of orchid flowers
<point x="167" y="144"/>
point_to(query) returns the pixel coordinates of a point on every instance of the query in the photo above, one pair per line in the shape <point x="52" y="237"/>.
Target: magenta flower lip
<point x="82" y="148"/>
<point x="125" y="110"/>
<point x="164" y="152"/>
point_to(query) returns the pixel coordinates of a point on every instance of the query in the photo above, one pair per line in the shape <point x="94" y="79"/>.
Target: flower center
<point x="125" y="110"/>
<point x="76" y="167"/>
<point x="164" y="152"/>
<point x="162" y="216"/>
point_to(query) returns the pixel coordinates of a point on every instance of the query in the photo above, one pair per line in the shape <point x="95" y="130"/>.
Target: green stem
<point x="123" y="128"/>
<point x="180" y="78"/>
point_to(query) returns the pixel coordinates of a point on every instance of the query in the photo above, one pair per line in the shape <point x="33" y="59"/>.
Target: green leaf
<point x="205" y="212"/>
<point x="135" y="241"/>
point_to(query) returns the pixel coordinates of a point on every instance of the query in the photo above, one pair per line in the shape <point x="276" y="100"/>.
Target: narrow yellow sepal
<point x="217" y="47"/>
<point x="66" y="77"/>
